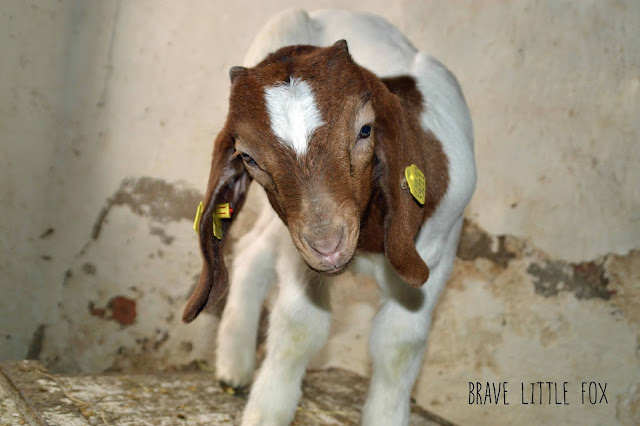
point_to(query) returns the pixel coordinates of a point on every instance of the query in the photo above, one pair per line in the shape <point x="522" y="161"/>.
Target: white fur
<point x="294" y="113"/>
<point x="300" y="321"/>
<point x="298" y="326"/>
<point x="239" y="324"/>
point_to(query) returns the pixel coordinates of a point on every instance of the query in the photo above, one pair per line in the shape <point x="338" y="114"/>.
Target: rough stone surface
<point x="39" y="396"/>
<point x="332" y="397"/>
<point x="9" y="414"/>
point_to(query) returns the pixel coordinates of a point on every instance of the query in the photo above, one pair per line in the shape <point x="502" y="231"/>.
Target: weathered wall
<point x="107" y="113"/>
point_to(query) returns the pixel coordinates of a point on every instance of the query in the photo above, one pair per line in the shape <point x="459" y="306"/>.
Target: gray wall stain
<point x="159" y="232"/>
<point x="89" y="268"/>
<point x="477" y="243"/>
<point x="153" y="198"/>
<point x="585" y="280"/>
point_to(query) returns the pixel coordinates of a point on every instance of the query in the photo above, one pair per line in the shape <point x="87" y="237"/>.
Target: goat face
<point x="304" y="129"/>
<point x="307" y="123"/>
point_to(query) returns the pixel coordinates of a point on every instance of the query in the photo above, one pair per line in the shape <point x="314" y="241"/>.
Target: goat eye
<point x="247" y="159"/>
<point x="365" y="132"/>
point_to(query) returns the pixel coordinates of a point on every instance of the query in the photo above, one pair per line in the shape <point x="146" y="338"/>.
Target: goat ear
<point x="403" y="215"/>
<point x="228" y="182"/>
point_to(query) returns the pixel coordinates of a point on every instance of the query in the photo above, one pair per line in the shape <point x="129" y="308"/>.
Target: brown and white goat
<point x="329" y="139"/>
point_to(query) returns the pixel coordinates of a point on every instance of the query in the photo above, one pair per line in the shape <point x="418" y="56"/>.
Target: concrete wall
<point x="107" y="113"/>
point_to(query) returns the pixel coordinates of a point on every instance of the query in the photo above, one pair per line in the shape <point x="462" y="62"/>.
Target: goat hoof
<point x="239" y="391"/>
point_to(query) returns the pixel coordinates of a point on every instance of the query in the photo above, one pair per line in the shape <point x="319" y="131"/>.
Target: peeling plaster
<point x="584" y="280"/>
<point x="132" y="289"/>
<point x="121" y="309"/>
<point x="152" y="198"/>
<point x="476" y="243"/>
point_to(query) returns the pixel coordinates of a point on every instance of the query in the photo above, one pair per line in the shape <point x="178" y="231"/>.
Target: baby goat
<point x="333" y="142"/>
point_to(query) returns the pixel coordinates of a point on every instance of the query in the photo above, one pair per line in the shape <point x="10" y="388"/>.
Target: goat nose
<point x="327" y="243"/>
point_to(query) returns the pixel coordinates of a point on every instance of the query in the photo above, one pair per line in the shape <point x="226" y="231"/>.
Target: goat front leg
<point x="298" y="327"/>
<point x="251" y="276"/>
<point x="399" y="336"/>
<point x="397" y="345"/>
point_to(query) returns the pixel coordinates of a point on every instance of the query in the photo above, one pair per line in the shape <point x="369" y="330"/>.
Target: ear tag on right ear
<point x="415" y="179"/>
<point x="196" y="221"/>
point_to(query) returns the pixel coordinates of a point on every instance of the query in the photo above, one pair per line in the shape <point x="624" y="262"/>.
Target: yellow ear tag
<point x="217" y="227"/>
<point x="196" y="221"/>
<point x="223" y="211"/>
<point x="415" y="179"/>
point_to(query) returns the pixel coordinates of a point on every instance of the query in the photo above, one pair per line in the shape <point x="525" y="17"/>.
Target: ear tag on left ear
<point x="217" y="227"/>
<point x="196" y="221"/>
<point x="415" y="179"/>
<point x="223" y="211"/>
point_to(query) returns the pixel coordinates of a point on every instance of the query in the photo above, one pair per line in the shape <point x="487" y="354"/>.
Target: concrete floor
<point x="107" y="113"/>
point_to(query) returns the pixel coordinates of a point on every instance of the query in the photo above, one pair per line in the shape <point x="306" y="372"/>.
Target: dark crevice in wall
<point x="35" y="346"/>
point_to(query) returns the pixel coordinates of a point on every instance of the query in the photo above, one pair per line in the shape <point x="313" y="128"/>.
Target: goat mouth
<point x="332" y="270"/>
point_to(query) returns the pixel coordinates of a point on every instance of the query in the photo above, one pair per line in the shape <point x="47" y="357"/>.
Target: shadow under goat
<point x="365" y="151"/>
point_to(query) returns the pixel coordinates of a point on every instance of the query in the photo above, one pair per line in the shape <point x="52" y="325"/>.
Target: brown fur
<point x="341" y="181"/>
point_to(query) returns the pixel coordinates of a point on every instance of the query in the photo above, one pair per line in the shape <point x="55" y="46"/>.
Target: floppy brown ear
<point x="403" y="214"/>
<point x="228" y="182"/>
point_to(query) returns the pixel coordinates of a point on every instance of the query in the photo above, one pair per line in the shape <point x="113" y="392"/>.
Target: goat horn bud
<point x="342" y="45"/>
<point x="235" y="71"/>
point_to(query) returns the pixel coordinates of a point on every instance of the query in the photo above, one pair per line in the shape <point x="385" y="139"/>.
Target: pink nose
<point x="327" y="243"/>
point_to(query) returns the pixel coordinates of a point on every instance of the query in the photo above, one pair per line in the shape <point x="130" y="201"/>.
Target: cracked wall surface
<point x="107" y="114"/>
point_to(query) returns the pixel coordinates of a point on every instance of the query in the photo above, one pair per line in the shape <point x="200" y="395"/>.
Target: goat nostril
<point x="326" y="244"/>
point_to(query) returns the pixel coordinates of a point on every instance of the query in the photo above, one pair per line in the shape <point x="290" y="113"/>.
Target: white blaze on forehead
<point x="293" y="113"/>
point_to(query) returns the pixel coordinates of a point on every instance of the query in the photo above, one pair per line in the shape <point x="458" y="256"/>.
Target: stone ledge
<point x="330" y="397"/>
